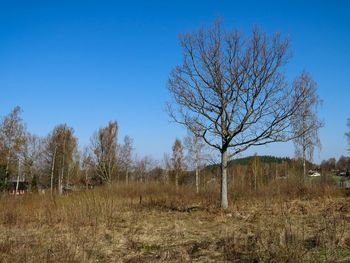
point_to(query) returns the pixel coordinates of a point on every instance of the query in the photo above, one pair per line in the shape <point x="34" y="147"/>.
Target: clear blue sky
<point x="86" y="62"/>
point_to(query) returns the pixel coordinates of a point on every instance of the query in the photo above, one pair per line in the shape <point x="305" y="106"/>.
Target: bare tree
<point x="104" y="152"/>
<point x="53" y="168"/>
<point x="177" y="161"/>
<point x="167" y="167"/>
<point x="343" y="164"/>
<point x="305" y="122"/>
<point x="232" y="92"/>
<point x="33" y="149"/>
<point x="143" y="166"/>
<point x="195" y="154"/>
<point x="125" y="156"/>
<point x="329" y="165"/>
<point x="87" y="167"/>
<point x="255" y="166"/>
<point x="61" y="155"/>
<point x="12" y="141"/>
<point x="12" y="138"/>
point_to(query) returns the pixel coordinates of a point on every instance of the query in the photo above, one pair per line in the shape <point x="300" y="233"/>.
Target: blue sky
<point x="87" y="62"/>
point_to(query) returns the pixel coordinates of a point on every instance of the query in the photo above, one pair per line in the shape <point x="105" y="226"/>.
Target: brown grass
<point x="154" y="223"/>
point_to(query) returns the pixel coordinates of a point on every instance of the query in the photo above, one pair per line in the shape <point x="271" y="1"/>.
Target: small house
<point x="344" y="173"/>
<point x="314" y="173"/>
<point x="20" y="185"/>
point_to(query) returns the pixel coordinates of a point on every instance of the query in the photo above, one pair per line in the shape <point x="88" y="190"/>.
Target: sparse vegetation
<point x="151" y="222"/>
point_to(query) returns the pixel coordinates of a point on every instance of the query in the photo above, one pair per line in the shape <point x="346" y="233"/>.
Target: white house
<point x="314" y="173"/>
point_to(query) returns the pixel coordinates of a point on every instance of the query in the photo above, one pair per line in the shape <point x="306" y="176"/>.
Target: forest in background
<point x="55" y="163"/>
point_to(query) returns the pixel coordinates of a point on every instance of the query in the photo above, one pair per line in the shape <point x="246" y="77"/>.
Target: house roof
<point x="15" y="181"/>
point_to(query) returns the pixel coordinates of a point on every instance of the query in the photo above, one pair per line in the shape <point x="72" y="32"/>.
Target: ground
<point x="106" y="226"/>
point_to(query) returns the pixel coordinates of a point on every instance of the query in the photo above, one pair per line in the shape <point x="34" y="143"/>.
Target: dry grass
<point x="154" y="223"/>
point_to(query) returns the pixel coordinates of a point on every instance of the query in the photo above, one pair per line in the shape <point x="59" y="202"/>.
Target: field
<point x="155" y="223"/>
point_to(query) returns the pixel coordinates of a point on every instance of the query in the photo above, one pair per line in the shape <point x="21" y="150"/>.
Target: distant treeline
<point x="264" y="159"/>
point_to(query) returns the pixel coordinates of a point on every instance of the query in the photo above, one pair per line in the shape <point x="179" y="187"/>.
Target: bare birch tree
<point x="87" y="167"/>
<point x="142" y="168"/>
<point x="104" y="152"/>
<point x="195" y="154"/>
<point x="61" y="155"/>
<point x="305" y="122"/>
<point x="125" y="156"/>
<point x="177" y="161"/>
<point x="12" y="140"/>
<point x="231" y="91"/>
<point x="53" y="169"/>
<point x="32" y="152"/>
<point x="166" y="167"/>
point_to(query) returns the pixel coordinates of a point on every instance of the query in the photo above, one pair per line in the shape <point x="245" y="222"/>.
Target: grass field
<point x="155" y="223"/>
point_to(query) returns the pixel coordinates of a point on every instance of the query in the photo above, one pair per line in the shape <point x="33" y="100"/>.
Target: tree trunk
<point x="7" y="166"/>
<point x="17" y="182"/>
<point x="52" y="169"/>
<point x="223" y="199"/>
<point x="17" y="185"/>
<point x="68" y="177"/>
<point x="197" y="147"/>
<point x="127" y="176"/>
<point x="86" y="180"/>
<point x="197" y="179"/>
<point x="60" y="182"/>
<point x="304" y="162"/>
<point x="59" y="185"/>
<point x="176" y="180"/>
<point x="60" y="179"/>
